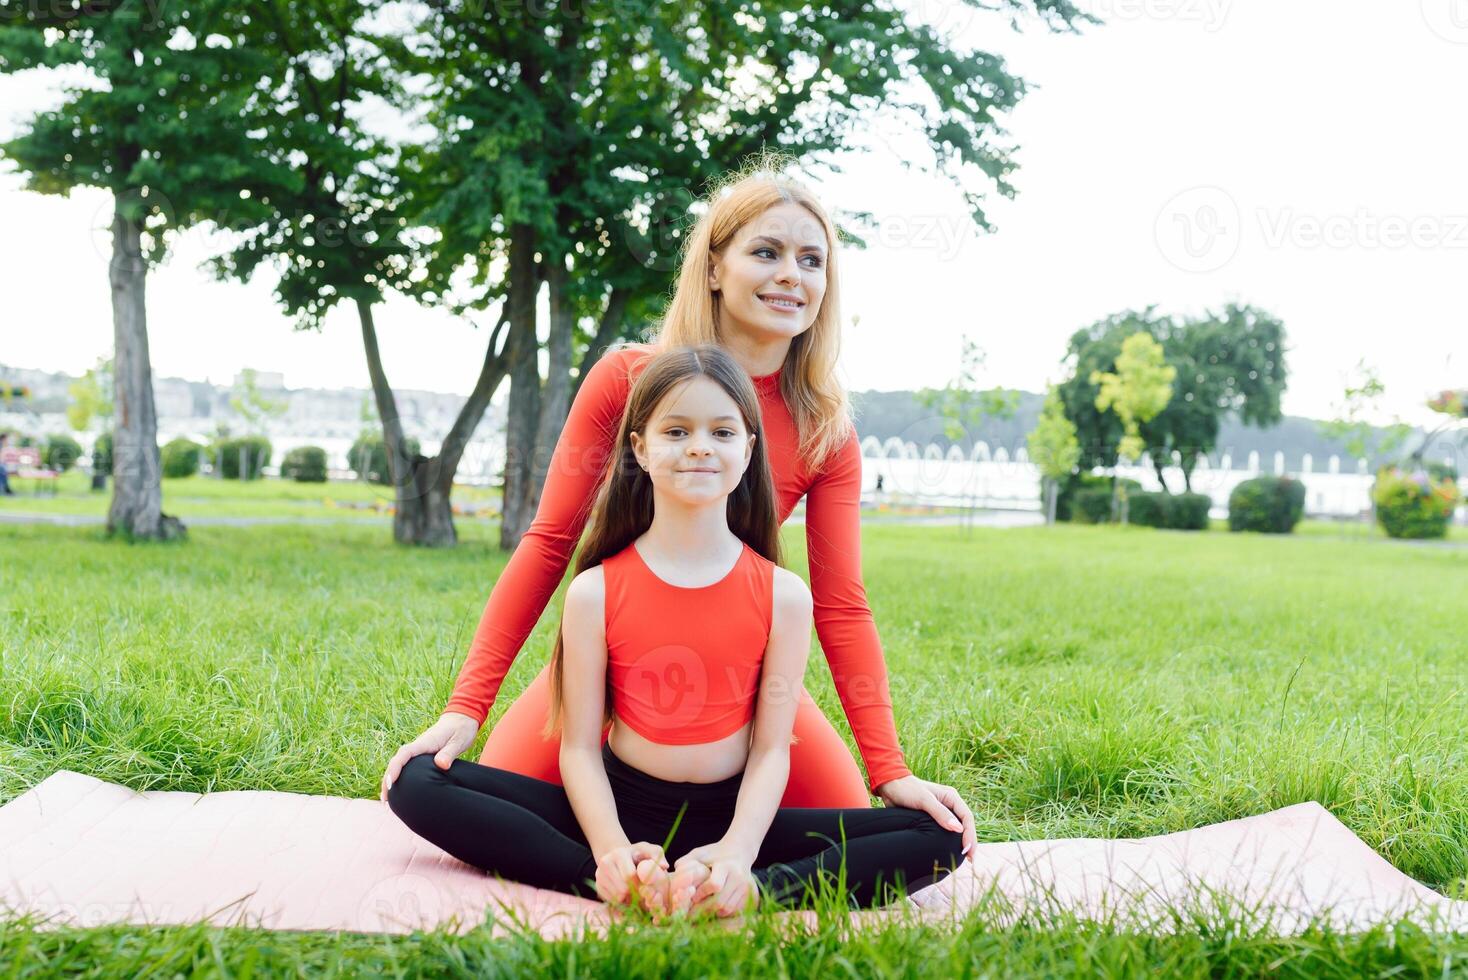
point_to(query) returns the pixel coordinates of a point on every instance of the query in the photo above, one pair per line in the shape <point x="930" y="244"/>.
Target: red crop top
<point x="843" y="620"/>
<point x="684" y="663"/>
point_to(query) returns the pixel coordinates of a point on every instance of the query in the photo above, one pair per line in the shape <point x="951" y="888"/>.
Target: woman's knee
<point x="947" y="845"/>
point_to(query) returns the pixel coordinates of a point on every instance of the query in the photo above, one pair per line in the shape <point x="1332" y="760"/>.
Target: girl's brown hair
<point x="817" y="400"/>
<point x="623" y="508"/>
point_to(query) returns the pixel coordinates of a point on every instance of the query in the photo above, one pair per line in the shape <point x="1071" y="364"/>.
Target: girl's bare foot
<point x="652" y="890"/>
<point x="688" y="874"/>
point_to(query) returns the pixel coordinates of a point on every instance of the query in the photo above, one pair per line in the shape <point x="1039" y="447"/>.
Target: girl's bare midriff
<point x="703" y="762"/>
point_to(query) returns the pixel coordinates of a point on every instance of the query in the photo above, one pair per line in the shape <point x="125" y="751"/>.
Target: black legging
<point x="524" y="829"/>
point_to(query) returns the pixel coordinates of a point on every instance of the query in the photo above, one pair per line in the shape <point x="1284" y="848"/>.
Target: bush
<point x="368" y="458"/>
<point x="102" y="453"/>
<point x="253" y="450"/>
<point x="304" y="464"/>
<point x="1177" y="512"/>
<point x="1065" y="499"/>
<point x="181" y="457"/>
<point x="1092" y="506"/>
<point x="62" y="452"/>
<point x="1414" y="505"/>
<point x="1190" y="512"/>
<point x="1269" y="504"/>
<point x="1147" y="509"/>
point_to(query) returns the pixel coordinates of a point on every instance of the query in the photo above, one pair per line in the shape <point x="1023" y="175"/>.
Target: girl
<point x="759" y="278"/>
<point x="682" y="628"/>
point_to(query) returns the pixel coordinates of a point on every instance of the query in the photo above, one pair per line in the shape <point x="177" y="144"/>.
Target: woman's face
<point x="695" y="445"/>
<point x="771" y="276"/>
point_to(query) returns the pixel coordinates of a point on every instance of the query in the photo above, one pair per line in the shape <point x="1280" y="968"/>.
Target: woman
<point x="680" y="627"/>
<point x="759" y="278"/>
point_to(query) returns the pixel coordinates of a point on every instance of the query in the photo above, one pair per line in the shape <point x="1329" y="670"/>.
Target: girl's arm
<point x="843" y="619"/>
<point x="781" y="680"/>
<point x="539" y="562"/>
<point x="584" y="678"/>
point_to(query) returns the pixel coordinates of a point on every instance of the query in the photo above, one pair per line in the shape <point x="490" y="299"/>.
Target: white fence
<point x="995" y="479"/>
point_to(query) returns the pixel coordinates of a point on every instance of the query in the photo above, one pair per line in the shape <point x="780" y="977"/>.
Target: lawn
<point x="1071" y="681"/>
<point x="200" y="496"/>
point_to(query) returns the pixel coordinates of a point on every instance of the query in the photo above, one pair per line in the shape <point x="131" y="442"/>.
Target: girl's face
<point x="771" y="275"/>
<point x="695" y="445"/>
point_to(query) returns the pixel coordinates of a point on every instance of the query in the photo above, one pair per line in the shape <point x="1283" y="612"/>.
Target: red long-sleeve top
<point x="843" y="620"/>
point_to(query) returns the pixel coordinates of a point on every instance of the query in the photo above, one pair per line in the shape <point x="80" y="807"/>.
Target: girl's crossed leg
<point x="525" y="830"/>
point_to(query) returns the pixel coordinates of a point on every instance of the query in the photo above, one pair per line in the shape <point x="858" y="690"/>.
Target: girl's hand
<point x="630" y="866"/>
<point x="445" y="738"/>
<point x="940" y="802"/>
<point x="729" y="886"/>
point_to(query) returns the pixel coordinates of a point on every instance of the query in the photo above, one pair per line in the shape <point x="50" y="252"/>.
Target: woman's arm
<point x="583" y="708"/>
<point x="781" y="678"/>
<point x="843" y="619"/>
<point x="539" y="562"/>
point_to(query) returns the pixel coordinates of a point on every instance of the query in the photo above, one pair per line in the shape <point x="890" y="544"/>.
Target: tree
<point x="1227" y="362"/>
<point x="1053" y="448"/>
<point x="962" y="403"/>
<point x="162" y="123"/>
<point x="249" y="403"/>
<point x="570" y="148"/>
<point x="337" y="228"/>
<point x="1351" y="426"/>
<point x="1137" y="391"/>
<point x="92" y="396"/>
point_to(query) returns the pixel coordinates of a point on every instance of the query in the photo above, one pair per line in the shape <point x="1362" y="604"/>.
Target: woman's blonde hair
<point x="816" y="399"/>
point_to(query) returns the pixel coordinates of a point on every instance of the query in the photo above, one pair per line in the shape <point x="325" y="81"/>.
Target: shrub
<point x="102" y="453"/>
<point x="1269" y="504"/>
<point x="1190" y="512"/>
<point x="62" y="452"/>
<point x="252" y="451"/>
<point x="368" y="458"/>
<point x="1414" y="505"/>
<point x="1091" y="506"/>
<point x="1177" y="512"/>
<point x="1148" y="509"/>
<point x="304" y="464"/>
<point x="1065" y="499"/>
<point x="181" y="457"/>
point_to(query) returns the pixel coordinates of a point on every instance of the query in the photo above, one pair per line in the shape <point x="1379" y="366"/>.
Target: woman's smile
<point x="783" y="303"/>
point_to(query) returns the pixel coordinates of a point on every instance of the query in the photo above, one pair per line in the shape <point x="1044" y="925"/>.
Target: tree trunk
<point x="523" y="423"/>
<point x="1157" y="468"/>
<point x="556" y="397"/>
<point x="137" y="490"/>
<point x="608" y="330"/>
<point x="422" y="514"/>
<point x="1052" y="494"/>
<point x="423" y="511"/>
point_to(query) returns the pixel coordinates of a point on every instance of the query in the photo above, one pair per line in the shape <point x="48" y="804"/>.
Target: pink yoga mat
<point x="76" y="850"/>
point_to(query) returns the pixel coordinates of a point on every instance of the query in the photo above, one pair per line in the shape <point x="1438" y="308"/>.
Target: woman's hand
<point x="940" y="802"/>
<point x="445" y="738"/>
<point x="642" y="866"/>
<point x="726" y="889"/>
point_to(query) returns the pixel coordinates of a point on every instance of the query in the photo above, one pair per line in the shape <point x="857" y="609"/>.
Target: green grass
<point x="1071" y="681"/>
<point x="200" y="496"/>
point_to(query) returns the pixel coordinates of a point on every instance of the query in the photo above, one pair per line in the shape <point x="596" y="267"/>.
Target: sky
<point x="1304" y="157"/>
